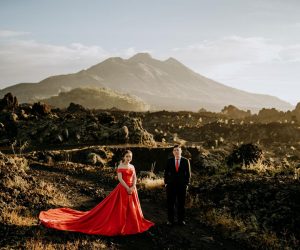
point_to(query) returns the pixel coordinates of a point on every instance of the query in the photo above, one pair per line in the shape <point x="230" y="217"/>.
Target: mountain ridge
<point x="166" y="84"/>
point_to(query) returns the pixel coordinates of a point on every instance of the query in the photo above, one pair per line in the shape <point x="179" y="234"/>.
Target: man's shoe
<point x="181" y="223"/>
<point x="169" y="223"/>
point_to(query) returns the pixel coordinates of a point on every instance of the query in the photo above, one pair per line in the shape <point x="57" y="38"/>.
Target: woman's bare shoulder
<point x="131" y="166"/>
<point x="122" y="166"/>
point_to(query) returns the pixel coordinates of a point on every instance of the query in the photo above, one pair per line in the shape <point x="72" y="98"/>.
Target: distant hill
<point x="163" y="84"/>
<point x="98" y="98"/>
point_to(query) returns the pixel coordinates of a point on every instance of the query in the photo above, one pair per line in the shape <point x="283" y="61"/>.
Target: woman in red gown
<point x="119" y="213"/>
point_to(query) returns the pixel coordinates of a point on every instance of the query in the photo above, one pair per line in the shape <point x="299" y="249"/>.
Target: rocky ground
<point x="245" y="180"/>
<point x="226" y="209"/>
<point x="81" y="186"/>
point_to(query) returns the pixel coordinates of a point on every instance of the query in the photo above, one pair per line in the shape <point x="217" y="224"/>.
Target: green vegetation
<point x="98" y="98"/>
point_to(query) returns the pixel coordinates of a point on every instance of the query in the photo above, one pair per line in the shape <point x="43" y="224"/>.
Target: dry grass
<point x="19" y="163"/>
<point x="14" y="217"/>
<point x="285" y="169"/>
<point x="217" y="218"/>
<point x="150" y="183"/>
<point x="297" y="174"/>
<point x="269" y="240"/>
<point x="38" y="244"/>
<point x="259" y="167"/>
<point x="17" y="182"/>
<point x="246" y="230"/>
<point x="56" y="196"/>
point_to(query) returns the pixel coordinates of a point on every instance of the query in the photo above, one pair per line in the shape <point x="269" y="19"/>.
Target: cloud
<point x="130" y="52"/>
<point x="254" y="64"/>
<point x="30" y="61"/>
<point x="37" y="53"/>
<point x="24" y="60"/>
<point x="10" y="33"/>
<point x="295" y="25"/>
<point x="233" y="49"/>
<point x="228" y="55"/>
<point x="290" y="53"/>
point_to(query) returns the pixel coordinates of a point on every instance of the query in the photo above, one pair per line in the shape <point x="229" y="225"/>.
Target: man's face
<point x="177" y="152"/>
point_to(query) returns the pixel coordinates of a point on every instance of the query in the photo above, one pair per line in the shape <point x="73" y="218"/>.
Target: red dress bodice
<point x="127" y="175"/>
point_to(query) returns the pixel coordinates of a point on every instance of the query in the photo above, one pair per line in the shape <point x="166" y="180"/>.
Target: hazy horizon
<point x="253" y="46"/>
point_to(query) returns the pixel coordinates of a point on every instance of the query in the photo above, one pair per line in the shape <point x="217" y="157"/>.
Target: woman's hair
<point x="127" y="151"/>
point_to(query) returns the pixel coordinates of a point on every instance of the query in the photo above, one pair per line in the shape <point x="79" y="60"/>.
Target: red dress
<point x="118" y="214"/>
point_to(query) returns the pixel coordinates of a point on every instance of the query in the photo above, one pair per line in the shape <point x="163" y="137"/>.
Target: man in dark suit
<point x="177" y="177"/>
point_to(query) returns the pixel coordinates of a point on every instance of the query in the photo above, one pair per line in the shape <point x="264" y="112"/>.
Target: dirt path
<point x="192" y="236"/>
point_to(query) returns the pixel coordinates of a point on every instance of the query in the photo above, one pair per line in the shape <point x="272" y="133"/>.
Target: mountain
<point x="98" y="98"/>
<point x="165" y="84"/>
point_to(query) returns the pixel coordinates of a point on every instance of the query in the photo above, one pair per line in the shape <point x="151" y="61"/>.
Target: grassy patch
<point x="150" y="183"/>
<point x="18" y="217"/>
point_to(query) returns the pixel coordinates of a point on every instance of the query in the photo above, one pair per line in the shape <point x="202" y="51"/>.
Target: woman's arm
<point x="129" y="191"/>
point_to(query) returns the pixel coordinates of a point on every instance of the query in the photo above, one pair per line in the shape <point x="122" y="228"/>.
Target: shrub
<point x="246" y="154"/>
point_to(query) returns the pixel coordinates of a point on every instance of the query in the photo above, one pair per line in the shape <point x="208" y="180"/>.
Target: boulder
<point x="9" y="102"/>
<point x="41" y="109"/>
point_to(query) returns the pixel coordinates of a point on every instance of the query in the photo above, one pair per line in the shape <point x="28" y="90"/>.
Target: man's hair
<point x="176" y="146"/>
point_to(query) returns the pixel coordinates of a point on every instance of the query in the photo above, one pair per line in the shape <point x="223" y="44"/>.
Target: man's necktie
<point x="177" y="165"/>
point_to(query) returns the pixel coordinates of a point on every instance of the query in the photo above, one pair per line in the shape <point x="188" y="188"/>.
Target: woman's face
<point x="127" y="158"/>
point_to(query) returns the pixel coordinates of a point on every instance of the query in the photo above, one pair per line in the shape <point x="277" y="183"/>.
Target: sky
<point x="250" y="45"/>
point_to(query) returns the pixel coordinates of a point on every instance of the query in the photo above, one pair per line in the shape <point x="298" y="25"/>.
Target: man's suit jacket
<point x="182" y="177"/>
